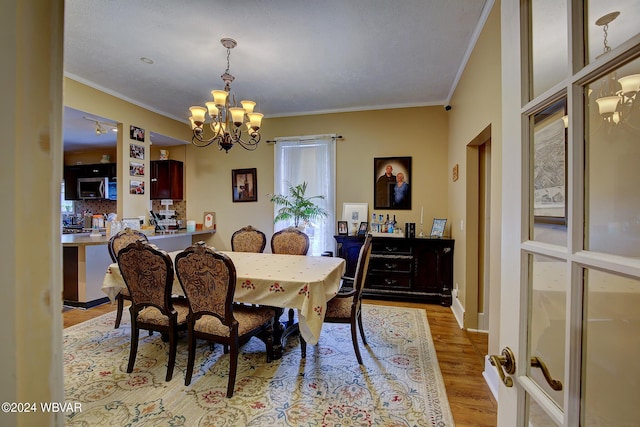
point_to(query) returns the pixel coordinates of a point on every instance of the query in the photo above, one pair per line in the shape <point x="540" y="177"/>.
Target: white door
<point x="570" y="288"/>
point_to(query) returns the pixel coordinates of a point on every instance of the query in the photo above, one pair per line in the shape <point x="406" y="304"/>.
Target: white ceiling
<point x="293" y="56"/>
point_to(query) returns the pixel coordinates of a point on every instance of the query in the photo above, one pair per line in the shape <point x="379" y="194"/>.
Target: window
<point x="310" y="159"/>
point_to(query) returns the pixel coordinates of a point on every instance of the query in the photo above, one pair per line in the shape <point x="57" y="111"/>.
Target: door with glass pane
<point x="570" y="308"/>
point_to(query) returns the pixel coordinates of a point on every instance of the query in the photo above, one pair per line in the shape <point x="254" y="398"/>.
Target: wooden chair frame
<point x="227" y="317"/>
<point x="116" y="243"/>
<point x="143" y="293"/>
<point x="355" y="294"/>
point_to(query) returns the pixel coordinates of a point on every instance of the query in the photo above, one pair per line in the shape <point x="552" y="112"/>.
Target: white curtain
<point x="310" y="159"/>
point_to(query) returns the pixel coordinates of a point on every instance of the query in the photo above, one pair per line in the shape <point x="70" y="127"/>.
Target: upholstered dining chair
<point x="148" y="274"/>
<point x="118" y="241"/>
<point x="290" y="241"/>
<point x="248" y="239"/>
<point x="346" y="306"/>
<point x="208" y="279"/>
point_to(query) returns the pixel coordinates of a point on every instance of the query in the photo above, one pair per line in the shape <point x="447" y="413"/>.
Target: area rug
<point x="400" y="383"/>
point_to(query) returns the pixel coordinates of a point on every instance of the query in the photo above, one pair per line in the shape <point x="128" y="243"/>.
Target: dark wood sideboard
<point x="411" y="269"/>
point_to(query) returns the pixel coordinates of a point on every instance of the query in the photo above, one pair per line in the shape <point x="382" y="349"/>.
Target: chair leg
<point x="233" y="368"/>
<point x="354" y="338"/>
<point x="173" y="343"/>
<point x="364" y="339"/>
<point x="120" y="302"/>
<point x="135" y="332"/>
<point x="191" y="357"/>
<point x="290" y="317"/>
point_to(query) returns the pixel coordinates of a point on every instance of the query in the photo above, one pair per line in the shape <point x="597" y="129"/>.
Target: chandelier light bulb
<point x="630" y="84"/>
<point x="248" y="106"/>
<point x="608" y="104"/>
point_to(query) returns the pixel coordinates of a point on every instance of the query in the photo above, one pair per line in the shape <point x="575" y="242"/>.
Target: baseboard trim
<point x="457" y="308"/>
<point x="491" y="377"/>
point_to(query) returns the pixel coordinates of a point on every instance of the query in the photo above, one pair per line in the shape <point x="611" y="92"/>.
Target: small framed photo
<point x="437" y="230"/>
<point x="343" y="228"/>
<point x="136" y="169"/>
<point x="362" y="230"/>
<point x="136" y="151"/>
<point x="244" y="185"/>
<point x="136" y="133"/>
<point x="136" y="187"/>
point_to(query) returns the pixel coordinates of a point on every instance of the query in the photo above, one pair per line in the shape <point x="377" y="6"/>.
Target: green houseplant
<point x="297" y="206"/>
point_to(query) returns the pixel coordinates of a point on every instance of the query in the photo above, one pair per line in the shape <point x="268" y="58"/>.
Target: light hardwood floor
<point x="460" y="354"/>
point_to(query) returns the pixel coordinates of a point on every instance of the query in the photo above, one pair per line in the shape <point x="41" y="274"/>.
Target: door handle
<point x="536" y="362"/>
<point x="506" y="360"/>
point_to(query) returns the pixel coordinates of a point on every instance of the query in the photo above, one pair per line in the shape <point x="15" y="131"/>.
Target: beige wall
<point x="417" y="132"/>
<point x="475" y="106"/>
<point x="31" y="173"/>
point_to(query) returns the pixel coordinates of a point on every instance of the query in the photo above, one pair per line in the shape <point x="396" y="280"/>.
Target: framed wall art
<point x="354" y="214"/>
<point x="136" y="169"/>
<point x="136" y="133"/>
<point x="136" y="187"/>
<point x="244" y="185"/>
<point x="136" y="151"/>
<point x="392" y="183"/>
<point x="549" y="166"/>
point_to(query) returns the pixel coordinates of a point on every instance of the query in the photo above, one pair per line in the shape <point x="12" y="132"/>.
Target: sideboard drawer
<point x="390" y="264"/>
<point x="389" y="281"/>
<point x="392" y="246"/>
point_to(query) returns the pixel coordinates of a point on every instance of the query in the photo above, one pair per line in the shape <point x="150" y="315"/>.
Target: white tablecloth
<point x="305" y="283"/>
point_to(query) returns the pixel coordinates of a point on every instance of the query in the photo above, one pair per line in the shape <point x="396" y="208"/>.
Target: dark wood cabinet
<point x="166" y="179"/>
<point x="73" y="172"/>
<point x="411" y="269"/>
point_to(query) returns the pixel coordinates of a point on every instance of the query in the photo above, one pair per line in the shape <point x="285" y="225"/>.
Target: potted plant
<point x="297" y="206"/>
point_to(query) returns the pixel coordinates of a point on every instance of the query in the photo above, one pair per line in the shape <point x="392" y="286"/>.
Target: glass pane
<point x="609" y="24"/>
<point x="612" y="199"/>
<point x="548" y="170"/>
<point x="548" y="319"/>
<point x="611" y="350"/>
<point x="549" y="44"/>
<point x="536" y="416"/>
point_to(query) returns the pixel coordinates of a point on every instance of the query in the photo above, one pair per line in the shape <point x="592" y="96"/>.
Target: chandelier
<point x="616" y="97"/>
<point x="228" y="121"/>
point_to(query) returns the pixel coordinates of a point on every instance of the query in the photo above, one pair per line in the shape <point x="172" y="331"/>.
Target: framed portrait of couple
<point x="392" y="183"/>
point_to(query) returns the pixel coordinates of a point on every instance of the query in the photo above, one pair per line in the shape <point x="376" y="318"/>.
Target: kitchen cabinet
<point x="167" y="180"/>
<point x="73" y="172"/>
<point x="411" y="269"/>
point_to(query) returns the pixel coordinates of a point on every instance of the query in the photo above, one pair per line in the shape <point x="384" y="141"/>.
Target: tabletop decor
<point x="400" y="382"/>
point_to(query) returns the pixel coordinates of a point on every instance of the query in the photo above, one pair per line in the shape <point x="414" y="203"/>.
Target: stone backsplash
<point x="95" y="206"/>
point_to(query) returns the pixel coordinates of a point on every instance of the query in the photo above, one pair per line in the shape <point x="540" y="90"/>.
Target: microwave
<point x="94" y="188"/>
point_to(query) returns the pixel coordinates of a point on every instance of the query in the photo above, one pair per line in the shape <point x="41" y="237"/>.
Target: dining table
<point x="304" y="283"/>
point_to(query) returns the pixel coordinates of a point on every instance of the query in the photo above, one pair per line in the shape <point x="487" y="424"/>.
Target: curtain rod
<point x="306" y="138"/>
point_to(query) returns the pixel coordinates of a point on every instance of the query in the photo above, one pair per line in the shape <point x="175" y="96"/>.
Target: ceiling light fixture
<point x="100" y="126"/>
<point x="616" y="98"/>
<point x="227" y="119"/>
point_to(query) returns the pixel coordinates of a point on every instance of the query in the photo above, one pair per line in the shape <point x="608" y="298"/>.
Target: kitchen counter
<point x="85" y="239"/>
<point x="85" y="260"/>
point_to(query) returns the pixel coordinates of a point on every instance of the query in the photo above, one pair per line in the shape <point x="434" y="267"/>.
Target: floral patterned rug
<point x="400" y="383"/>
